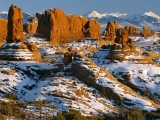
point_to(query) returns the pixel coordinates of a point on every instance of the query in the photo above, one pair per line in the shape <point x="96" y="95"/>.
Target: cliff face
<point x="60" y="28"/>
<point x="3" y="29"/>
<point x="15" y="26"/>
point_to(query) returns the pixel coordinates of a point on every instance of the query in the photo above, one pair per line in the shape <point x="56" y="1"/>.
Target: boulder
<point x="31" y="26"/>
<point x="68" y="56"/>
<point x="15" y="26"/>
<point x="3" y="29"/>
<point x="132" y="30"/>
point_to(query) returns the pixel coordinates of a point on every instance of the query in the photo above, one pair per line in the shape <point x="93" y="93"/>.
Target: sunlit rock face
<point x="146" y="32"/>
<point x="15" y="25"/>
<point x="16" y="48"/>
<point x="3" y="29"/>
<point x="59" y="28"/>
<point x="132" y="30"/>
<point x="110" y="31"/>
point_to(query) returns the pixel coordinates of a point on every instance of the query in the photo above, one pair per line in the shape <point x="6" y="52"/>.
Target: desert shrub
<point x="135" y="114"/>
<point x="153" y="98"/>
<point x="60" y="75"/>
<point x="153" y="115"/>
<point x="10" y="96"/>
<point x="6" y="109"/>
<point x="74" y="83"/>
<point x="103" y="92"/>
<point x="1" y="117"/>
<point x="60" y="116"/>
<point x="146" y="93"/>
<point x="74" y="115"/>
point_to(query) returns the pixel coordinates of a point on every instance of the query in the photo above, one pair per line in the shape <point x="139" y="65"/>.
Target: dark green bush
<point x="10" y="96"/>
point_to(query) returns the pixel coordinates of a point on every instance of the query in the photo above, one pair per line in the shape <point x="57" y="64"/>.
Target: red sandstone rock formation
<point x="43" y="27"/>
<point x="76" y="26"/>
<point x="15" y="26"/>
<point x="121" y="36"/>
<point x="3" y="29"/>
<point x="31" y="26"/>
<point x="68" y="56"/>
<point x="110" y="31"/>
<point x="59" y="28"/>
<point x="132" y="30"/>
<point x="16" y="48"/>
<point x="92" y="29"/>
<point x="146" y="32"/>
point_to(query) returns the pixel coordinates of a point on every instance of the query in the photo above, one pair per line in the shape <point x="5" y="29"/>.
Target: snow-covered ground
<point x="33" y="81"/>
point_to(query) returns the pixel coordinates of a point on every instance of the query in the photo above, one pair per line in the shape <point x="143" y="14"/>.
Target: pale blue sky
<point x="80" y="7"/>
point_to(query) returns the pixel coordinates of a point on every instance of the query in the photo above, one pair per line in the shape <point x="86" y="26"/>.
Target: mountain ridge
<point x="151" y="19"/>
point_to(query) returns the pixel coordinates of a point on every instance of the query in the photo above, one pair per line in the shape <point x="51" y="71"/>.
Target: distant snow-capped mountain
<point x="149" y="19"/>
<point x="4" y="14"/>
<point x="95" y="14"/>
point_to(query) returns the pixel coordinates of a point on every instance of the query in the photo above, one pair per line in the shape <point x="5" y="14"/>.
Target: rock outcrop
<point x="3" y="29"/>
<point x="16" y="48"/>
<point x="31" y="26"/>
<point x="123" y="38"/>
<point x="123" y="46"/>
<point x="146" y="32"/>
<point x="59" y="28"/>
<point x="68" y="56"/>
<point x="110" y="31"/>
<point x="15" y="26"/>
<point x="76" y="26"/>
<point x="99" y="78"/>
<point x="132" y="30"/>
<point x="92" y="29"/>
<point x="43" y="26"/>
<point x="20" y="51"/>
